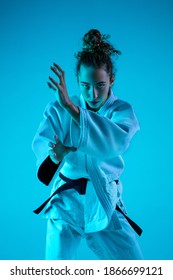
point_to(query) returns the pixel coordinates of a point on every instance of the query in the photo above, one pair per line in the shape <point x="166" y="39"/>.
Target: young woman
<point x="78" y="147"/>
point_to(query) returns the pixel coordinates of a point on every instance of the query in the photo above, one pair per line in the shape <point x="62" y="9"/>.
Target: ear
<point x="112" y="79"/>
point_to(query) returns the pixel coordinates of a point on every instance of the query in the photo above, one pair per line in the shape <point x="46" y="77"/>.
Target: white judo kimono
<point x="101" y="138"/>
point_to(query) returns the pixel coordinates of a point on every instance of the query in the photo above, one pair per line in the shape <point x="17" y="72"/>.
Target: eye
<point x="101" y="85"/>
<point x="86" y="86"/>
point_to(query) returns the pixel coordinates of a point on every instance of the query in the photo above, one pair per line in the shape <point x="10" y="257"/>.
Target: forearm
<point x="47" y="170"/>
<point x="102" y="137"/>
<point x="74" y="111"/>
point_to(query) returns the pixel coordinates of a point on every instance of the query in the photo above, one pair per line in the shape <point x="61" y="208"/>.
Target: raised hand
<point x="61" y="93"/>
<point x="60" y="87"/>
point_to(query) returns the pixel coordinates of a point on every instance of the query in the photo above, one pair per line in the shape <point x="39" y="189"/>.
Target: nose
<point x="93" y="93"/>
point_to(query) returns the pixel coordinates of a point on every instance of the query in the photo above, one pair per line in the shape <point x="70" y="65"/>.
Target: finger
<point x="54" y="82"/>
<point x="60" y="76"/>
<point x="56" y="138"/>
<point x="53" y="154"/>
<point x="53" y="157"/>
<point x="51" y="86"/>
<point x="51" y="145"/>
<point x="56" y="72"/>
<point x="59" y="68"/>
<point x="71" y="149"/>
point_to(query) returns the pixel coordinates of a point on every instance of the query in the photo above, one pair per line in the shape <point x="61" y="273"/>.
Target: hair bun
<point x="94" y="41"/>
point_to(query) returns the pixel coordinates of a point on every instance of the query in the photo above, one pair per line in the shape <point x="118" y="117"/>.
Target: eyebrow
<point x="102" y="82"/>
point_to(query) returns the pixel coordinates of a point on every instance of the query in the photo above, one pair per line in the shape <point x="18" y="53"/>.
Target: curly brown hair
<point x="96" y="52"/>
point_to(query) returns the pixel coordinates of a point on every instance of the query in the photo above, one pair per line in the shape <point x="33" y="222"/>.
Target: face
<point x="94" y="85"/>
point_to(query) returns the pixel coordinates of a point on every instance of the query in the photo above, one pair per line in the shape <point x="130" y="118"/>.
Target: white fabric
<point x="82" y="210"/>
<point x="63" y="240"/>
<point x="101" y="139"/>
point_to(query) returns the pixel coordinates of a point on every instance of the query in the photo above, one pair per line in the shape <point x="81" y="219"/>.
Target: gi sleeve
<point x="50" y="125"/>
<point x="104" y="137"/>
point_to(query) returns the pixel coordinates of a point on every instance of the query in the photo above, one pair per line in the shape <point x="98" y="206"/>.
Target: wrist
<point x="72" y="109"/>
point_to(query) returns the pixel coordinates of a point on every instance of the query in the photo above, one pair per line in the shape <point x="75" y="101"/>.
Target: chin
<point x="92" y="107"/>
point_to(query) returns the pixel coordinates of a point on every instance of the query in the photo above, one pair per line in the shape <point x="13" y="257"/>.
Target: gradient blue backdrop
<point x="33" y="34"/>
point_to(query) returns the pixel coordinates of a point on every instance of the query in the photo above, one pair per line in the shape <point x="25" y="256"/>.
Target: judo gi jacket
<point x="101" y="139"/>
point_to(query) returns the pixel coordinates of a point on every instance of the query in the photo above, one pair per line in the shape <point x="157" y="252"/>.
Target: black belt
<point x="80" y="186"/>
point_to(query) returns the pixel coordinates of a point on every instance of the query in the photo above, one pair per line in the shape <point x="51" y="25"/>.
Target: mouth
<point x="94" y="102"/>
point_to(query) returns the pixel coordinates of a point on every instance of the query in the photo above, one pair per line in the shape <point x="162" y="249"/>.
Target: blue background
<point x="36" y="33"/>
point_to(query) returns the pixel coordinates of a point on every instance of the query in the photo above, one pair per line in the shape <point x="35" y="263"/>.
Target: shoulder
<point x="121" y="105"/>
<point x="116" y="104"/>
<point x="123" y="110"/>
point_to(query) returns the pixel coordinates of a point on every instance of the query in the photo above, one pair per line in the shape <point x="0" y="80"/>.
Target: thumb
<point x="71" y="149"/>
